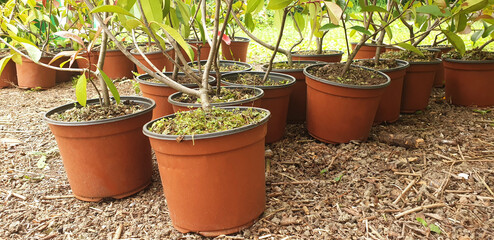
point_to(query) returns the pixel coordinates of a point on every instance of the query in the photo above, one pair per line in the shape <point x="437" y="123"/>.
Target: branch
<point x="270" y="66"/>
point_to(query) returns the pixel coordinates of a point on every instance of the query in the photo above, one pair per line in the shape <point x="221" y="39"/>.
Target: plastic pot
<point x="32" y="75"/>
<point x="237" y="50"/>
<point x="366" y="51"/>
<point x="158" y="59"/>
<point x="213" y="183"/>
<point x="9" y="75"/>
<point x="105" y="158"/>
<point x="333" y="57"/>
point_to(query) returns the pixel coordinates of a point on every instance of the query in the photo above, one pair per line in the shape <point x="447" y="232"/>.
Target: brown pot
<point x="221" y="63"/>
<point x="32" y="75"/>
<point x="298" y="97"/>
<point x="417" y="86"/>
<point x="105" y="158"/>
<point x="339" y="113"/>
<point x="9" y="75"/>
<point x="366" y="51"/>
<point x="117" y="65"/>
<point x="237" y="50"/>
<point x="439" y="79"/>
<point x="214" y="183"/>
<point x="88" y="60"/>
<point x="335" y="57"/>
<point x="159" y="92"/>
<point x="389" y="107"/>
<point x="469" y="83"/>
<point x="204" y="48"/>
<point x="276" y="100"/>
<point x="157" y="59"/>
<point x="255" y="101"/>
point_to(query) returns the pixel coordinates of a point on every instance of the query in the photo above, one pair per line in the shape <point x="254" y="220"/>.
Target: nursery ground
<point x="314" y="190"/>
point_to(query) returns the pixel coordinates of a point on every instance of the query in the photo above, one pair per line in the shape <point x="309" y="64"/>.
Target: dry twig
<point x="420" y="208"/>
<point x="405" y="191"/>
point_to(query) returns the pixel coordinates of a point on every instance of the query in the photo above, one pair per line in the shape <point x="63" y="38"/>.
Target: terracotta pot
<point x="204" y="48"/>
<point x="245" y="66"/>
<point x="339" y="113"/>
<point x="105" y="158"/>
<point x="417" y="86"/>
<point x="439" y="79"/>
<point x="156" y="58"/>
<point x="89" y="59"/>
<point x="298" y="97"/>
<point x="275" y="99"/>
<point x="117" y="65"/>
<point x="366" y="51"/>
<point x="213" y="183"/>
<point x="159" y="92"/>
<point x="389" y="107"/>
<point x="32" y="75"/>
<point x="237" y="50"/>
<point x="335" y="57"/>
<point x="469" y="83"/>
<point x="9" y="75"/>
<point x="255" y="101"/>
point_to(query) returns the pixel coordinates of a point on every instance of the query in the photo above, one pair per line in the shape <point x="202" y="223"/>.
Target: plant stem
<point x="380" y="39"/>
<point x="485" y="44"/>
<point x="280" y="36"/>
<point x="101" y="63"/>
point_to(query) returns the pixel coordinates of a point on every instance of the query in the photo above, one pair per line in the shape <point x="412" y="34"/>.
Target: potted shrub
<point x="234" y="198"/>
<point x="234" y="47"/>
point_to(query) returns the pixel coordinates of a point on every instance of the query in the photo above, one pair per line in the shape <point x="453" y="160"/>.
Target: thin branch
<point x="270" y="66"/>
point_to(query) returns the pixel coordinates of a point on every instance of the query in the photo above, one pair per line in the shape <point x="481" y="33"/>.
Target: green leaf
<point x="300" y="20"/>
<point x="278" y="4"/>
<point x="488" y="30"/>
<point x="328" y="26"/>
<point x="474" y="5"/>
<point x="167" y="7"/>
<point x="334" y="12"/>
<point x="476" y="35"/>
<point x="456" y="41"/>
<point x="409" y="47"/>
<point x="33" y="52"/>
<point x="3" y="62"/>
<point x="373" y="9"/>
<point x="80" y="90"/>
<point x="249" y="22"/>
<point x="389" y="32"/>
<point x="253" y="5"/>
<point x="175" y="35"/>
<point x="110" y="86"/>
<point x="430" y="9"/>
<point x="126" y="4"/>
<point x="462" y="22"/>
<point x="152" y="10"/>
<point x="422" y="221"/>
<point x="361" y="30"/>
<point x="338" y="178"/>
<point x="132" y="23"/>
<point x="434" y="228"/>
<point x="112" y="9"/>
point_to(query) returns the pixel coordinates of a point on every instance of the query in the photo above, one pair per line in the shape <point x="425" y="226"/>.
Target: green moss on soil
<point x="470" y="55"/>
<point x="410" y="56"/>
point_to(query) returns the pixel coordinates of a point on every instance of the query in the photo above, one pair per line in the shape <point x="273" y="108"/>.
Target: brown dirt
<point x="354" y="75"/>
<point x="254" y="80"/>
<point x="314" y="52"/>
<point x="429" y="56"/>
<point x="381" y="65"/>
<point x="226" y="95"/>
<point x="96" y="112"/>
<point x="474" y="54"/>
<point x="314" y="190"/>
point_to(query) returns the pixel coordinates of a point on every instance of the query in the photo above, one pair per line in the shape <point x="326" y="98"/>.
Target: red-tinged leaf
<point x="73" y="36"/>
<point x="61" y="54"/>
<point x="44" y="3"/>
<point x="74" y="57"/>
<point x="225" y="38"/>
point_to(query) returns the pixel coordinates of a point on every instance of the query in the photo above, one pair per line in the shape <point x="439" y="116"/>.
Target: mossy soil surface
<point x="354" y="76"/>
<point x="226" y="95"/>
<point x="314" y="190"/>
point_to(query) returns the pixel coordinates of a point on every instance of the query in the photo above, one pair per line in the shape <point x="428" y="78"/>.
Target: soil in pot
<point x="32" y="75"/>
<point x="298" y="97"/>
<point x="469" y="79"/>
<point x="277" y="89"/>
<point x="225" y="66"/>
<point x="156" y="57"/>
<point x="104" y="157"/>
<point x="229" y="96"/>
<point x="389" y="107"/>
<point x="159" y="92"/>
<point x="213" y="177"/>
<point x="236" y="50"/>
<point x="8" y="76"/>
<point x="366" y="51"/>
<point x="312" y="55"/>
<point x="342" y="108"/>
<point x="419" y="79"/>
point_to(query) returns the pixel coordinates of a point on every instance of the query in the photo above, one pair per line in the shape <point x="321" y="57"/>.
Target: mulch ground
<point x="361" y="190"/>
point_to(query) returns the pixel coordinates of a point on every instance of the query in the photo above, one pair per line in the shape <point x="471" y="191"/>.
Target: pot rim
<point x="240" y="39"/>
<point x="443" y="46"/>
<point x="141" y="79"/>
<point x="147" y="102"/>
<point x="249" y="66"/>
<point x="206" y="135"/>
<point x="468" y="61"/>
<point x="134" y="52"/>
<point x="259" y="95"/>
<point x="274" y="74"/>
<point x="382" y="85"/>
<point x="402" y="65"/>
<point x="437" y="61"/>
<point x="264" y="67"/>
<point x="338" y="52"/>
